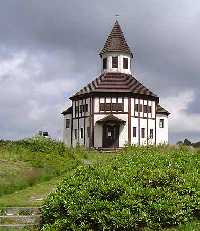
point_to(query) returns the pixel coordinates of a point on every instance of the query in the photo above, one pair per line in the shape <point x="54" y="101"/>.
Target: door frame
<point x="116" y="141"/>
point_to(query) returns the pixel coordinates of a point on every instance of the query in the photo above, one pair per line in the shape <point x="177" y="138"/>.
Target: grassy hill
<point x="30" y="169"/>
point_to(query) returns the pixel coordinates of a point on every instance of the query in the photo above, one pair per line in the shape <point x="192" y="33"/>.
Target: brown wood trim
<point x="82" y="108"/>
<point x="111" y="103"/>
<point x="72" y="121"/>
<point x="115" y="94"/>
<point x="92" y="121"/>
<point x="155" y="125"/>
<point x="142" y="117"/>
<point x="84" y="124"/>
<point x="99" y="104"/>
<point x="129" y="121"/>
<point x="143" y="107"/>
<point x="117" y="102"/>
<point x="90" y="138"/>
<point x="147" y="123"/>
<point x="104" y="104"/>
<point x="109" y="112"/>
<point x="81" y="117"/>
<point x="123" y="103"/>
<point x="139" y="123"/>
<point x="78" y="123"/>
<point x="75" y="108"/>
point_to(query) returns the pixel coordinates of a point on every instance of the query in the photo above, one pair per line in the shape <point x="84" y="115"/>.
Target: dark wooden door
<point x="110" y="136"/>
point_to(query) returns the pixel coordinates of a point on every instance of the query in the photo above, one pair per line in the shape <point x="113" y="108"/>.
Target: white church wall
<point x="98" y="131"/>
<point x="73" y="107"/>
<point x="132" y="106"/>
<point x="123" y="130"/>
<point x="87" y="125"/>
<point x="161" y="133"/>
<point x="153" y="109"/>
<point x="145" y="102"/>
<point x="98" y="134"/>
<point x="126" y="104"/>
<point x="67" y="131"/>
<point x="75" y="126"/>
<point x="96" y="104"/>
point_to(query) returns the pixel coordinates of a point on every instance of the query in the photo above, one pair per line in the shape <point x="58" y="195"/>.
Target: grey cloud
<point x="63" y="38"/>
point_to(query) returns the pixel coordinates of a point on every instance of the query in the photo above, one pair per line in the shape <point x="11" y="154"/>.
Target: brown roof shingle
<point x="67" y="111"/>
<point x="115" y="83"/>
<point x="161" y="110"/>
<point x="111" y="118"/>
<point x="116" y="42"/>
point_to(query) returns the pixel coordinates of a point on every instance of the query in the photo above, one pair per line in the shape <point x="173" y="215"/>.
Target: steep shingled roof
<point x="161" y="110"/>
<point x="67" y="111"/>
<point x="111" y="118"/>
<point x="115" y="83"/>
<point x="116" y="42"/>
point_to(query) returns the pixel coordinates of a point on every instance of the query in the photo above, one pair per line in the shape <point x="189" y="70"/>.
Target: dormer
<point x="116" y="55"/>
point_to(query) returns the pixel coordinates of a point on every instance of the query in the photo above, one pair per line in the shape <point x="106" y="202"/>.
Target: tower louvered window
<point x="125" y="63"/>
<point x="115" y="62"/>
<point x="105" y="63"/>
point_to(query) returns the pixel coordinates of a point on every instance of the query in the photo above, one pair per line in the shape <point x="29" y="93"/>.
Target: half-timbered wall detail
<point x="115" y="109"/>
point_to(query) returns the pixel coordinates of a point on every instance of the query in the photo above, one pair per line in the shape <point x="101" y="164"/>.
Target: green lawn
<point x="31" y="196"/>
<point x="30" y="169"/>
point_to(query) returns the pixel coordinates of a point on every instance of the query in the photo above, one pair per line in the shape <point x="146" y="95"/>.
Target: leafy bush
<point x="143" y="187"/>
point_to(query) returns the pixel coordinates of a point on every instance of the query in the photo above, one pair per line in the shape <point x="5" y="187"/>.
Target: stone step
<point x="23" y="211"/>
<point x="33" y="219"/>
<point x="19" y="227"/>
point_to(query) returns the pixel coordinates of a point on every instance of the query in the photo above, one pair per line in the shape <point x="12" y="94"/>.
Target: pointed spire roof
<point x="116" y="41"/>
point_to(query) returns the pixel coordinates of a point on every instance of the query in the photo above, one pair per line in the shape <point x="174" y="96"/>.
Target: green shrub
<point x="143" y="187"/>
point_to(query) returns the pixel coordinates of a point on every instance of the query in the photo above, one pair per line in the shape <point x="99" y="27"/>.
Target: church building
<point x="115" y="109"/>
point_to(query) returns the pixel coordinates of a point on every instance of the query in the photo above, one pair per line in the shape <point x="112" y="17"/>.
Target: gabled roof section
<point x="161" y="110"/>
<point x="67" y="111"/>
<point x="111" y="82"/>
<point x="111" y="118"/>
<point x="116" y="42"/>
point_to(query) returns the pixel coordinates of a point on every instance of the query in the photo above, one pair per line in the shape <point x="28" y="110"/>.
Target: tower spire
<point x="116" y="41"/>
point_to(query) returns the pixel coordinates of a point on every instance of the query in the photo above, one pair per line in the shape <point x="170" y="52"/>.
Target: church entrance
<point x="110" y="135"/>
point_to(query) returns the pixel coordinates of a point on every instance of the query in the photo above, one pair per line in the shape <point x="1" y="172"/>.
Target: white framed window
<point x="151" y="134"/>
<point x="67" y="123"/>
<point x="134" y="132"/>
<point x="143" y="132"/>
<point x="81" y="133"/>
<point x="161" y="123"/>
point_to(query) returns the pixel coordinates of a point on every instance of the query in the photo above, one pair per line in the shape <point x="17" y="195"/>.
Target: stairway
<point x="109" y="150"/>
<point x="19" y="218"/>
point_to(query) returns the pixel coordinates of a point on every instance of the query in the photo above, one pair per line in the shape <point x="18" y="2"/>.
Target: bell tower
<point x="116" y="55"/>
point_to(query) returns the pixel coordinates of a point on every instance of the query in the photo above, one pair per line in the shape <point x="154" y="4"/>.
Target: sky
<point x="49" y="50"/>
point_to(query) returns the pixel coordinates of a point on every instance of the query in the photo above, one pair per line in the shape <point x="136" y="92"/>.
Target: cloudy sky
<point x="49" y="49"/>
